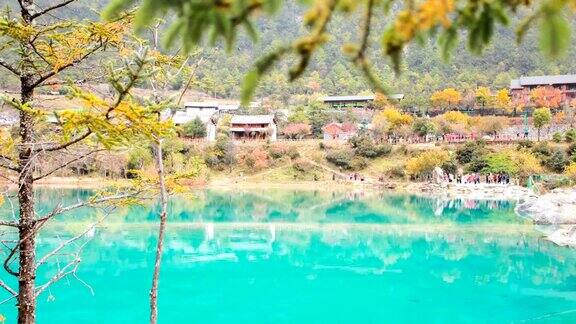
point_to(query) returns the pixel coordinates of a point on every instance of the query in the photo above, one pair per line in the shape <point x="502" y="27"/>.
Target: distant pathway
<point x="326" y="168"/>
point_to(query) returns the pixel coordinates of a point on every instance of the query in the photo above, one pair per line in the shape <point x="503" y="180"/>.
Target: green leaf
<point x="114" y="8"/>
<point x="448" y="40"/>
<point x="554" y="34"/>
<point x="249" y="86"/>
<point x="147" y="12"/>
<point x="250" y="30"/>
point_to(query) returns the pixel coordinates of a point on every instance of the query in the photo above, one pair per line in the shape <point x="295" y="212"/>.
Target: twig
<point x="56" y="6"/>
<point x="10" y="290"/>
<point x="62" y="166"/>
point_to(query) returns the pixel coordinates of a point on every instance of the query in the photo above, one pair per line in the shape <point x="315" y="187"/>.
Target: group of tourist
<point x="476" y="178"/>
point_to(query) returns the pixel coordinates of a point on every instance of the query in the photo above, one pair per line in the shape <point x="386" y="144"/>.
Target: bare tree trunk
<point x="27" y="224"/>
<point x="162" y="227"/>
<point x="26" y="228"/>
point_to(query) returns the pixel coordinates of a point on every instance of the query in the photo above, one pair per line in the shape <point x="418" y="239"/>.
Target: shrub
<point x="557" y="161"/>
<point x="424" y="163"/>
<point x="570" y="171"/>
<point x="571" y="151"/>
<point x="138" y="158"/>
<point x="358" y="163"/>
<point x="470" y="150"/>
<point x="449" y="166"/>
<point x="364" y="146"/>
<point x="297" y="130"/>
<point x="341" y="158"/>
<point x="302" y="166"/>
<point x="514" y="162"/>
<point x="570" y="136"/>
<point x="477" y="164"/>
<point x="395" y="172"/>
<point x="500" y="162"/>
<point x="194" y="128"/>
<point x="292" y="152"/>
<point x="257" y="159"/>
<point x="277" y="150"/>
<point x="222" y="153"/>
<point x="542" y="151"/>
<point x="525" y="144"/>
<point x="423" y="127"/>
<point x="557" y="137"/>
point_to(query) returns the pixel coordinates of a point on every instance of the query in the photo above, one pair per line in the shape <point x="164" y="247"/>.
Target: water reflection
<point x="217" y="267"/>
<point x="296" y="207"/>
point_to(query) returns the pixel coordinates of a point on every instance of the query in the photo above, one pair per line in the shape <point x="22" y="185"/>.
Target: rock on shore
<point x="555" y="207"/>
<point x="481" y="191"/>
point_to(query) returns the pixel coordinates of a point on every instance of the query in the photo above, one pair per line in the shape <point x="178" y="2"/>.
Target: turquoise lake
<point x="282" y="256"/>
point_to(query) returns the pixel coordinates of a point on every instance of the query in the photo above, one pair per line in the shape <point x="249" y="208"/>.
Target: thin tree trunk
<point x="162" y="227"/>
<point x="26" y="228"/>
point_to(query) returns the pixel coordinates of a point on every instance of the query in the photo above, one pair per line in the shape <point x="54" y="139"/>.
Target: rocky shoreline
<point x="481" y="191"/>
<point x="557" y="210"/>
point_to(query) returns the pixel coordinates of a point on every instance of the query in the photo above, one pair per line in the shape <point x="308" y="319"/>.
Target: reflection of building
<point x="339" y="131"/>
<point x="363" y="102"/>
<point x="520" y="88"/>
<point x="253" y="127"/>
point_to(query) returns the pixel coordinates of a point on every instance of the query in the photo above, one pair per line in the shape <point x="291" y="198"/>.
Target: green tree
<point x="194" y="128"/>
<point x="541" y="117"/>
<point x="423" y="127"/>
<point x="318" y="116"/>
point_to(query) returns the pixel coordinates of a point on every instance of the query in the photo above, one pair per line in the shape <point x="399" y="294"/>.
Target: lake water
<point x="279" y="256"/>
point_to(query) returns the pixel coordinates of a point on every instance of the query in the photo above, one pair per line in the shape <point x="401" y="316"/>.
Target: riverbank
<point x="480" y="191"/>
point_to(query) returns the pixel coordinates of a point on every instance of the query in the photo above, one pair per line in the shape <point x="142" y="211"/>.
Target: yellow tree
<point x="483" y="96"/>
<point x="503" y="100"/>
<point x="446" y="99"/>
<point x="380" y="101"/>
<point x="37" y="50"/>
<point x="391" y="120"/>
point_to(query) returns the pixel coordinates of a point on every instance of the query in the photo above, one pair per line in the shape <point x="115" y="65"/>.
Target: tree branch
<point x="10" y="290"/>
<point x="67" y="144"/>
<point x="7" y="223"/>
<point x="9" y="166"/>
<point x="53" y="72"/>
<point x="66" y="243"/>
<point x="60" y="5"/>
<point x="59" y="275"/>
<point x="62" y="166"/>
<point x="9" y="67"/>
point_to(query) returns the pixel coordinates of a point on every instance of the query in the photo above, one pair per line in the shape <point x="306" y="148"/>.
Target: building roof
<point x="515" y="84"/>
<point x="339" y="128"/>
<point x="229" y="107"/>
<point x="397" y="96"/>
<point x="252" y="119"/>
<point x="201" y="104"/>
<point x="543" y="80"/>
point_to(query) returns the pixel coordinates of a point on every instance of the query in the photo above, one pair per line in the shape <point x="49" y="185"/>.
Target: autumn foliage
<point x="446" y="98"/>
<point x="297" y="130"/>
<point x="547" y="97"/>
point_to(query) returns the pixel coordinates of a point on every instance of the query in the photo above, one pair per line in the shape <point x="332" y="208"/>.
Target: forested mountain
<point x="423" y="69"/>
